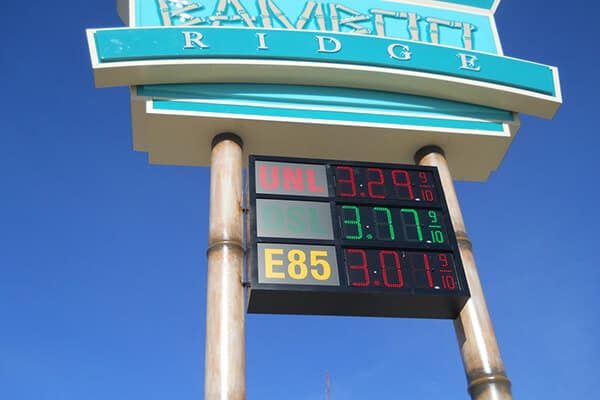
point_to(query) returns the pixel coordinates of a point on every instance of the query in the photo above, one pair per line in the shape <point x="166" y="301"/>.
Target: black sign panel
<point x="350" y="238"/>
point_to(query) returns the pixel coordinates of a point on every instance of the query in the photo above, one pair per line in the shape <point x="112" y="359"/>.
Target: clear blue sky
<point x="102" y="256"/>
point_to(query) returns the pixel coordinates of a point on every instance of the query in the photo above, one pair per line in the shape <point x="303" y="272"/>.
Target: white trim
<point x="313" y="121"/>
<point x="129" y="8"/>
<point x="496" y="36"/>
<point x="362" y="110"/>
<point x="92" y="47"/>
<point x="557" y="84"/>
<point x="441" y="4"/>
<point x="495" y="6"/>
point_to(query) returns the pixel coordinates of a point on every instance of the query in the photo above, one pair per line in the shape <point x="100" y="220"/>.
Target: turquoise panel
<point x="147" y="13"/>
<point x="160" y="43"/>
<point x="321" y="115"/>
<point x="202" y="13"/>
<point x="486" y="4"/>
<point x="319" y="97"/>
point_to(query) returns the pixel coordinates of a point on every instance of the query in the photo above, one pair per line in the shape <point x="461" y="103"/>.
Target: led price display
<point x="351" y="238"/>
<point x="384" y="183"/>
<point x="393" y="225"/>
<point x="394" y="269"/>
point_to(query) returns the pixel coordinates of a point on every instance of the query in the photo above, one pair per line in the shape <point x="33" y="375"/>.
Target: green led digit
<point x="416" y="224"/>
<point x="433" y="216"/>
<point x="355" y="222"/>
<point x="437" y="237"/>
<point x="387" y="223"/>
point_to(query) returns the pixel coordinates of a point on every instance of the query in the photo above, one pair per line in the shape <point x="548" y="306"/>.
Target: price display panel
<point x="350" y="238"/>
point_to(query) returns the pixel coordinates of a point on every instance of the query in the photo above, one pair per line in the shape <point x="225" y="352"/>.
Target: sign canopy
<point x="290" y="75"/>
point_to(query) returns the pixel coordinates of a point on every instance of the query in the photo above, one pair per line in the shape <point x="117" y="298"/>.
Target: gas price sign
<point x="350" y="238"/>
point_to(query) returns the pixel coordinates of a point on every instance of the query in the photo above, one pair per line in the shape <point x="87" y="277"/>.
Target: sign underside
<point x="175" y="124"/>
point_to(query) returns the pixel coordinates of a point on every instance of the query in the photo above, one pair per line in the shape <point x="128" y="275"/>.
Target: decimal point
<point x="362" y="194"/>
<point x="377" y="283"/>
<point x="369" y="236"/>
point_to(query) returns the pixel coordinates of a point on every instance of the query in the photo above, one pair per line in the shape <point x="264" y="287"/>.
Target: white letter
<point x="197" y="40"/>
<point x="351" y="22"/>
<point x="468" y="35"/>
<point x="404" y="55"/>
<point x="322" y="49"/>
<point x="262" y="44"/>
<point x="271" y="10"/>
<point x="220" y="13"/>
<point x="468" y="62"/>
<point x="413" y="19"/>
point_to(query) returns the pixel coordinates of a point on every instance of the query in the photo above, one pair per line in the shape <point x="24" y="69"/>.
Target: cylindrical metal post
<point x="224" y="377"/>
<point x="483" y="364"/>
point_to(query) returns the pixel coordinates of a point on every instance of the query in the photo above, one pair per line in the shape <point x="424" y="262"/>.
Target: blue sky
<point x="102" y="256"/>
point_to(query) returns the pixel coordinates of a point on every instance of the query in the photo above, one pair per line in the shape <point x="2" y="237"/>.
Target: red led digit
<point x="428" y="270"/>
<point x="426" y="194"/>
<point x="401" y="179"/>
<point x="377" y="182"/>
<point x="362" y="266"/>
<point x="350" y="180"/>
<point x="397" y="267"/>
<point x="443" y="260"/>
<point x="448" y="282"/>
<point x="444" y="264"/>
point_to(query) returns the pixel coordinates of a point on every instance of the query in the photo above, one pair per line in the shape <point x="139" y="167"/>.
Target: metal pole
<point x="480" y="353"/>
<point x="224" y="377"/>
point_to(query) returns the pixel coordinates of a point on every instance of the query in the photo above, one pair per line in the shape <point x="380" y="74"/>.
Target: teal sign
<point x="118" y="45"/>
<point x="441" y="49"/>
<point x="445" y="24"/>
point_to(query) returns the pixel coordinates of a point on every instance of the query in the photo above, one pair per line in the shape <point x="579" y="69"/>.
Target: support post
<point x="481" y="357"/>
<point x="224" y="377"/>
